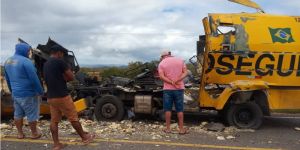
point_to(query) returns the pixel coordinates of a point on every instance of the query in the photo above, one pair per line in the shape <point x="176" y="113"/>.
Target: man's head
<point x="164" y="54"/>
<point x="57" y="51"/>
<point x="23" y="49"/>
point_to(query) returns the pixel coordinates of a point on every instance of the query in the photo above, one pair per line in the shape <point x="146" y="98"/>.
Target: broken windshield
<point x="225" y="29"/>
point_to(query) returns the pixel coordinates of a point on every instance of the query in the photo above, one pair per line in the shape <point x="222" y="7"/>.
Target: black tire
<point x="89" y="101"/>
<point x="161" y="115"/>
<point x="222" y="116"/>
<point x="244" y="116"/>
<point x="109" y="108"/>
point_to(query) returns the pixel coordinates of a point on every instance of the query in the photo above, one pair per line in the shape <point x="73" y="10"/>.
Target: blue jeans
<point x="173" y="96"/>
<point x="27" y="106"/>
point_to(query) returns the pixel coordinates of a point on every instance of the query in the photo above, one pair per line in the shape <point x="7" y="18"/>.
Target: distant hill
<point x="102" y="65"/>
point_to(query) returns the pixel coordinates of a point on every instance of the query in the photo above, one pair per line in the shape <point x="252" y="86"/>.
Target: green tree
<point x="113" y="71"/>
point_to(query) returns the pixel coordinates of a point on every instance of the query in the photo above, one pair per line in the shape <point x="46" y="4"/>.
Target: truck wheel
<point x="161" y="115"/>
<point x="222" y="116"/>
<point x="247" y="115"/>
<point x="109" y="108"/>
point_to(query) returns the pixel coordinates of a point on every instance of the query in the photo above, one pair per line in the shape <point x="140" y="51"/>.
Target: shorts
<point x="62" y="106"/>
<point x="173" y="96"/>
<point x="27" y="106"/>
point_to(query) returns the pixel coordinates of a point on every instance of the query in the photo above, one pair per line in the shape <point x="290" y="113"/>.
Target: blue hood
<point x="20" y="74"/>
<point x="22" y="49"/>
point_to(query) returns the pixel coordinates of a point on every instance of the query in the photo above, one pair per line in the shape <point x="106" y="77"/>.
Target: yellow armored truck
<point x="250" y="65"/>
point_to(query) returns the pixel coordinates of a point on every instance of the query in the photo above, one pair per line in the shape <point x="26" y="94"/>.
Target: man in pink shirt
<point x="172" y="71"/>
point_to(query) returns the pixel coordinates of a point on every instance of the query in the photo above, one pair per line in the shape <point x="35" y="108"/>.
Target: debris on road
<point x="232" y="129"/>
<point x="129" y="129"/>
<point x="297" y="128"/>
<point x="45" y="145"/>
<point x="4" y="126"/>
<point x="220" y="138"/>
<point x="230" y="137"/>
<point x="218" y="127"/>
<point x="269" y="142"/>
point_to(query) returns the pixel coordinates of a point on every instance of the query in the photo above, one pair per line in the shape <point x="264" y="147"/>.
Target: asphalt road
<point x="277" y="132"/>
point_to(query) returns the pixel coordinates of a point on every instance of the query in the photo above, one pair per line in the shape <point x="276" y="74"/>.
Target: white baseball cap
<point x="165" y="53"/>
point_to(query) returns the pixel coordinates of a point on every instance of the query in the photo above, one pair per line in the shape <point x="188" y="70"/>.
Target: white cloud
<point x="114" y="31"/>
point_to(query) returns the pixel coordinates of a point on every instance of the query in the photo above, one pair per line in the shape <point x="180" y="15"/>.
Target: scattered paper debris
<point x="230" y="137"/>
<point x="4" y="126"/>
<point x="220" y="138"/>
<point x="269" y="142"/>
<point x="129" y="129"/>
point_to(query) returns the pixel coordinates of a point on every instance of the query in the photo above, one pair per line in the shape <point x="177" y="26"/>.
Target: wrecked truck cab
<point x="42" y="53"/>
<point x="251" y="66"/>
<point x="261" y="45"/>
<point x="247" y="31"/>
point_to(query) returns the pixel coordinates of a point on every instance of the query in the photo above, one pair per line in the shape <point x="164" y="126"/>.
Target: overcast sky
<point x="118" y="31"/>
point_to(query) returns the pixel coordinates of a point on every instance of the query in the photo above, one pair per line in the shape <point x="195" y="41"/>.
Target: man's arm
<point x="68" y="75"/>
<point x="67" y="72"/>
<point x="32" y="75"/>
<point x="163" y="77"/>
<point x="7" y="81"/>
<point x="183" y="75"/>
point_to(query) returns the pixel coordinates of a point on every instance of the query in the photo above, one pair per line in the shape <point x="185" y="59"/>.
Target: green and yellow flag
<point x="281" y="35"/>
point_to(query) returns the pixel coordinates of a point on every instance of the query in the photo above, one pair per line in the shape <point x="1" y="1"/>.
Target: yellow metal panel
<point x="284" y="98"/>
<point x="263" y="41"/>
<point x="282" y="68"/>
<point x="257" y="29"/>
<point x="256" y="56"/>
<point x="247" y="3"/>
<point x="80" y="105"/>
<point x="236" y="86"/>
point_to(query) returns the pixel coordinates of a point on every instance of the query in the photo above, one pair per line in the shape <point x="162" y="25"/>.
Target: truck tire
<point x="222" y="116"/>
<point x="161" y="115"/>
<point x="244" y="116"/>
<point x="109" y="108"/>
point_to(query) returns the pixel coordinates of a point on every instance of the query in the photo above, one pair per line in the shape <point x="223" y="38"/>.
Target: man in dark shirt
<point x="56" y="74"/>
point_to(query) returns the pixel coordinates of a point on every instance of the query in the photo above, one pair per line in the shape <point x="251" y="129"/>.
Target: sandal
<point x="21" y="136"/>
<point x="183" y="131"/>
<point x="167" y="131"/>
<point x="39" y="135"/>
<point x="60" y="146"/>
<point x="89" y="140"/>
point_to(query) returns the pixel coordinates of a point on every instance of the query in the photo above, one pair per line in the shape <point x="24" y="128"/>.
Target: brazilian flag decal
<point x="281" y="35"/>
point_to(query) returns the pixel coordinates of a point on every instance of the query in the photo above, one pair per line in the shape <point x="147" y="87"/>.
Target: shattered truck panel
<point x="251" y="47"/>
<point x="254" y="48"/>
<point x="260" y="32"/>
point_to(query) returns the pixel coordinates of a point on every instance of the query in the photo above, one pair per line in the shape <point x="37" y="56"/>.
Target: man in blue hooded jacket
<point x="24" y="84"/>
